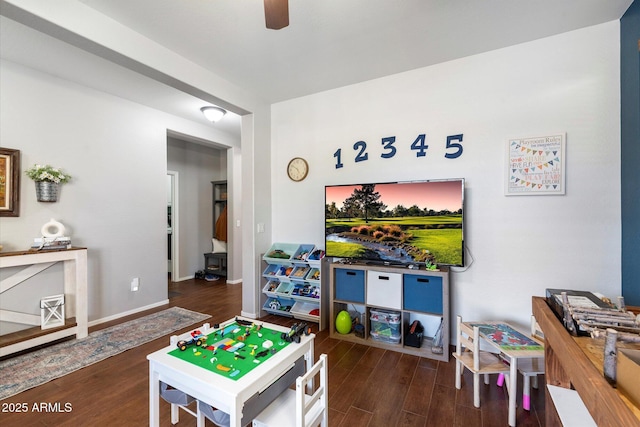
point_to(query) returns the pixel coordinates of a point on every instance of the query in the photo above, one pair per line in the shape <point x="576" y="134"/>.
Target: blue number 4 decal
<point x="420" y="146"/>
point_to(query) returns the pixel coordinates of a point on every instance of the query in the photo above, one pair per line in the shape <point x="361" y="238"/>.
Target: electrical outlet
<point x="135" y="284"/>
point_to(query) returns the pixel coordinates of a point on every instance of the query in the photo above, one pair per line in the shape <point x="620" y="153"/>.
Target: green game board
<point x="233" y="357"/>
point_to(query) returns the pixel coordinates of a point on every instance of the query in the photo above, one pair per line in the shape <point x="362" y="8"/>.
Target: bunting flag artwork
<point x="536" y="165"/>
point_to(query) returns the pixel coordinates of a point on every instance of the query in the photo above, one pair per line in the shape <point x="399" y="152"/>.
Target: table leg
<point x="310" y="359"/>
<point x="513" y="390"/>
<point x="154" y="397"/>
<point x="200" y="420"/>
<point x="236" y="415"/>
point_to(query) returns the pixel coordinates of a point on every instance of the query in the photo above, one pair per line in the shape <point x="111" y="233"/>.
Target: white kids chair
<point x="297" y="408"/>
<point x="468" y="355"/>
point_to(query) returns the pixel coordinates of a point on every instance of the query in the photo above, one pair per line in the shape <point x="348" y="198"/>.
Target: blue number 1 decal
<point x="361" y="156"/>
<point x="337" y="156"/>
<point x="455" y="145"/>
<point x="387" y="144"/>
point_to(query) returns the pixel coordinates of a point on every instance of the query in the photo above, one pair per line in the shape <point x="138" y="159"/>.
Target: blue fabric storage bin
<point x="422" y="293"/>
<point x="349" y="285"/>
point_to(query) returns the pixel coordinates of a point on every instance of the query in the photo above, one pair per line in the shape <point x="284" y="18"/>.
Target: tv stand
<point x="413" y="294"/>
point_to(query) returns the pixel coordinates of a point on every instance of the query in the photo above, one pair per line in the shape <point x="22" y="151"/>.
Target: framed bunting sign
<point x="536" y="165"/>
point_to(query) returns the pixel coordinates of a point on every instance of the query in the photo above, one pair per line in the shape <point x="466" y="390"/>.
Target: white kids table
<point x="513" y="345"/>
<point x="214" y="389"/>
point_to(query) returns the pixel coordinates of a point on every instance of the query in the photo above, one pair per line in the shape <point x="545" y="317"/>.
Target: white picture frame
<point x="536" y="165"/>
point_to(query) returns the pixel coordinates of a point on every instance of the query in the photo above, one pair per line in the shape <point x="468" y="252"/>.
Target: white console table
<point x="75" y="291"/>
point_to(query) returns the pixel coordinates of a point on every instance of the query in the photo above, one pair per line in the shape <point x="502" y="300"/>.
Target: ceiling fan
<point x="276" y="14"/>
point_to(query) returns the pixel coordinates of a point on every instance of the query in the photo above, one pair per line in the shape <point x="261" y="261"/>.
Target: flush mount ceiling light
<point x="213" y="114"/>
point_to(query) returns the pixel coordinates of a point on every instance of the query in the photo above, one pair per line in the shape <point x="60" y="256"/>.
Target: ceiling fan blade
<point x="276" y="13"/>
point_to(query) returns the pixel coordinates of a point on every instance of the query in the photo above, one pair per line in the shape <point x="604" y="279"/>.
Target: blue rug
<point x="32" y="369"/>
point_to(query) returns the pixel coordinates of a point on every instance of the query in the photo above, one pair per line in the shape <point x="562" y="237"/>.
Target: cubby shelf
<point x="413" y="294"/>
<point x="292" y="284"/>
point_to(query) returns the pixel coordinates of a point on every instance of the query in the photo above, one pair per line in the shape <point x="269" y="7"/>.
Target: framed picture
<point x="536" y="165"/>
<point x="9" y="182"/>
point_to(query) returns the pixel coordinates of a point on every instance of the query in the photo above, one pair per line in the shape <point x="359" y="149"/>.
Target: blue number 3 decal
<point x="387" y="144"/>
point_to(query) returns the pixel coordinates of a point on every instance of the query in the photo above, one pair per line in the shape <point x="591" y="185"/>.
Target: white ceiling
<point x="333" y="43"/>
<point x="328" y="44"/>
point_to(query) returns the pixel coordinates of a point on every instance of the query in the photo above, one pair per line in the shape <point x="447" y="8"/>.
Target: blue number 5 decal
<point x="362" y="146"/>
<point x="387" y="144"/>
<point x="455" y="145"/>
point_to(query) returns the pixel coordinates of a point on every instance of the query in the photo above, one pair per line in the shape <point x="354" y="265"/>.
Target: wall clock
<point x="297" y="169"/>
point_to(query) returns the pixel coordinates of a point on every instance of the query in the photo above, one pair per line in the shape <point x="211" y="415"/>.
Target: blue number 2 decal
<point x="361" y="156"/>
<point x="455" y="145"/>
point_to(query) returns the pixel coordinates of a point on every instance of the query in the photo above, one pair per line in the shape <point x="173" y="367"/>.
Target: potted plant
<point x="48" y="180"/>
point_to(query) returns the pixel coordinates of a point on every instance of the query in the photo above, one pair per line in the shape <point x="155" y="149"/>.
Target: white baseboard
<point x="127" y="313"/>
<point x="249" y="315"/>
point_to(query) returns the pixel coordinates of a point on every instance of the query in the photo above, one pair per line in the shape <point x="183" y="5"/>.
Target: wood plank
<point x="603" y="401"/>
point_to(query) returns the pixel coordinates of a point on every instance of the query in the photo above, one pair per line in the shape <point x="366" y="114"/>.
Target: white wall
<point x="81" y="26"/>
<point x="116" y="202"/>
<point x="520" y="245"/>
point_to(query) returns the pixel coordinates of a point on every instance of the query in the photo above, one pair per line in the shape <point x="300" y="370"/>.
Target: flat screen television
<point x="396" y="222"/>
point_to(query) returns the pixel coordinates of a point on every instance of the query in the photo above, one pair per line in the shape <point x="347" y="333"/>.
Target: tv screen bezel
<point x="400" y="263"/>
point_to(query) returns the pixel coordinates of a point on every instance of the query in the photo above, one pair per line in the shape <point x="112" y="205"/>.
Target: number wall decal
<point x="361" y="156"/>
<point x="337" y="155"/>
<point x="455" y="145"/>
<point x="420" y="146"/>
<point x="387" y="144"/>
<point x="389" y="149"/>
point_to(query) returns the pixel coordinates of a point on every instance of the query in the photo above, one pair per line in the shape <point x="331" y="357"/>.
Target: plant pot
<point x="47" y="191"/>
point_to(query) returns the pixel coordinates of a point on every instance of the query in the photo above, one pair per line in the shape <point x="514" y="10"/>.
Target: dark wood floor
<point x="367" y="386"/>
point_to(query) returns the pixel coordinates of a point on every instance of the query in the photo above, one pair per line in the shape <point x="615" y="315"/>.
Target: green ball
<point x="343" y="322"/>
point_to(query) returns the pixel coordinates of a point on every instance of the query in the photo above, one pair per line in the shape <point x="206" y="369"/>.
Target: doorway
<point x="193" y="167"/>
<point x="172" y="226"/>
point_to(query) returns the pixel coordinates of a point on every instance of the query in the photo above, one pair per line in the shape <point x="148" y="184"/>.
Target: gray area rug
<point x="32" y="369"/>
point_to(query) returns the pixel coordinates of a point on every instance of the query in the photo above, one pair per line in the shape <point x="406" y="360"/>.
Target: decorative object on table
<point x="536" y="166"/>
<point x="9" y="182"/>
<point x="52" y="311"/>
<point x="583" y="313"/>
<point x="610" y="356"/>
<point x="429" y="265"/>
<point x="48" y="180"/>
<point x="53" y="237"/>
